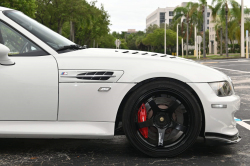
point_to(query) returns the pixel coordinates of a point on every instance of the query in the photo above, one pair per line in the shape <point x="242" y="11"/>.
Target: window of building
<point x="170" y="21"/>
<point x="184" y="20"/>
<point x="208" y="14"/>
<point x="207" y="21"/>
<point x="162" y="18"/>
<point x="171" y="13"/>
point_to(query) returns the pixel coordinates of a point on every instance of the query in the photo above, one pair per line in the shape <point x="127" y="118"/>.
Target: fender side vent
<point x="153" y="54"/>
<point x="144" y="53"/>
<point x="95" y="75"/>
<point x="135" y="53"/>
<point x="125" y="52"/>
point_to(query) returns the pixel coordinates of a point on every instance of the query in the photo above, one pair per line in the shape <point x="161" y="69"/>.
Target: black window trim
<point x="16" y="55"/>
<point x="31" y="33"/>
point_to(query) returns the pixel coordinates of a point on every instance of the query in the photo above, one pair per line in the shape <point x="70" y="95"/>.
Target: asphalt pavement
<point x="118" y="151"/>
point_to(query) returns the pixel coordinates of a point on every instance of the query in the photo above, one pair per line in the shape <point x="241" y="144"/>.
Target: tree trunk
<point x="226" y="31"/>
<point x="59" y="28"/>
<point x="233" y="47"/>
<point x="191" y="31"/>
<point x="72" y="31"/>
<point x="221" y="41"/>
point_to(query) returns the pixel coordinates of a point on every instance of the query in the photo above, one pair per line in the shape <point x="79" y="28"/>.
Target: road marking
<point x="230" y="69"/>
<point x="242" y="123"/>
<point x="208" y="62"/>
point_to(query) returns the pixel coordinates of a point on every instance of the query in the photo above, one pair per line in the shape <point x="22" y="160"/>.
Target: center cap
<point x="161" y="119"/>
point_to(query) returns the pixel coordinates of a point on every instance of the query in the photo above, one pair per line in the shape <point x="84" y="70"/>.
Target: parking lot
<point x="118" y="151"/>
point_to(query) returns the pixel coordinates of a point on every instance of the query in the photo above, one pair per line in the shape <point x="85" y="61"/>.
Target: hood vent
<point x="95" y="75"/>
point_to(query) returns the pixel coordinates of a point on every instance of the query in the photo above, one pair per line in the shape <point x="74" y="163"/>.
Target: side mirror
<point x="4" y="58"/>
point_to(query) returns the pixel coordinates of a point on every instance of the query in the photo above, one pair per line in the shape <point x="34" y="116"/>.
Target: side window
<point x="17" y="43"/>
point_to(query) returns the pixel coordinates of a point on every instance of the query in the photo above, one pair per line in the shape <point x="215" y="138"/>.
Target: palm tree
<point x="222" y="6"/>
<point x="197" y="18"/>
<point x="220" y="26"/>
<point x="236" y="20"/>
<point x="186" y="12"/>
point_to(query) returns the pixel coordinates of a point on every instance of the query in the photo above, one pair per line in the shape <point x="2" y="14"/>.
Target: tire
<point x="173" y="118"/>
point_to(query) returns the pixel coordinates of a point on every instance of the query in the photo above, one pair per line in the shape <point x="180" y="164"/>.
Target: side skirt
<point x="56" y="129"/>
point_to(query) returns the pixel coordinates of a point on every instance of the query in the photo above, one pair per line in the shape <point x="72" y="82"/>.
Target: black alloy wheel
<point x="173" y="120"/>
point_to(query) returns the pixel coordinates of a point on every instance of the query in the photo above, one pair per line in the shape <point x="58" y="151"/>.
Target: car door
<point x="29" y="88"/>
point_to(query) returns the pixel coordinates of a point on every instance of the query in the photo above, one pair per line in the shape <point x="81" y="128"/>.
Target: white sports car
<point x="52" y="88"/>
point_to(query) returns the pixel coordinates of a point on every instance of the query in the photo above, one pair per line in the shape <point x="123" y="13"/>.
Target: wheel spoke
<point x="161" y="134"/>
<point x="173" y="107"/>
<point x="154" y="106"/>
<point x="147" y="123"/>
<point x="179" y="127"/>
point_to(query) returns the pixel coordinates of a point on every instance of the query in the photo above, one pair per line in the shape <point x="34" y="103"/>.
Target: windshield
<point x="45" y="34"/>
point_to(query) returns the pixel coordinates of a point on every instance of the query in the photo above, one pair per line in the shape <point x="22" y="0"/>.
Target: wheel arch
<point x="118" y="120"/>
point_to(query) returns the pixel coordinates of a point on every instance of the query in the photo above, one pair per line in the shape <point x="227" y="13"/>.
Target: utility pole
<point x="187" y="36"/>
<point x="247" y="55"/>
<point x="195" y="42"/>
<point x="182" y="47"/>
<point x="165" y="40"/>
<point x="204" y="29"/>
<point x="242" y="29"/>
<point x="177" y="44"/>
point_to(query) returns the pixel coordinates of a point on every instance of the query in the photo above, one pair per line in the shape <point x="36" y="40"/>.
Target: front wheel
<point x="162" y="118"/>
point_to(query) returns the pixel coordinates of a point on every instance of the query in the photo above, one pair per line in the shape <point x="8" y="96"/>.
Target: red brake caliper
<point x="142" y="116"/>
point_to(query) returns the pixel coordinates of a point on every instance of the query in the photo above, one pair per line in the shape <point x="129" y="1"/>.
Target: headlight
<point x="222" y="89"/>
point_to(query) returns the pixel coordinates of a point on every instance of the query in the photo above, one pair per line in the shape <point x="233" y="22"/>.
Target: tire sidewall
<point x="195" y="117"/>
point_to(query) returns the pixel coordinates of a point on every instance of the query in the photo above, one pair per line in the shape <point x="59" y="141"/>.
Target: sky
<point x="131" y="14"/>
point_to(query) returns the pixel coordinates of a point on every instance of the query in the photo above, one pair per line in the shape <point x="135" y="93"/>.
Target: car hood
<point x="138" y="65"/>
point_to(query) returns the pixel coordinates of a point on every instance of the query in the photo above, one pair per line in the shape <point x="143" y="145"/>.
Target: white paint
<point x="230" y="69"/>
<point x="218" y="120"/>
<point x="85" y="103"/>
<point x="138" y="67"/>
<point x="246" y="120"/>
<point x="56" y="129"/>
<point x="243" y="124"/>
<point x="4" y="58"/>
<point x="29" y="89"/>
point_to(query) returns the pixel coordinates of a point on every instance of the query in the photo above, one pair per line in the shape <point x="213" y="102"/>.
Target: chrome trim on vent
<point x="88" y="76"/>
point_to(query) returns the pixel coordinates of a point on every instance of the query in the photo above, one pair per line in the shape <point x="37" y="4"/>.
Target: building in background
<point x="159" y="15"/>
<point x="213" y="44"/>
<point x="130" y="31"/>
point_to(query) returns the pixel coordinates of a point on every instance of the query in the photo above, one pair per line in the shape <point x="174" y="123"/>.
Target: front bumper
<point x="220" y="139"/>
<point x="220" y="125"/>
